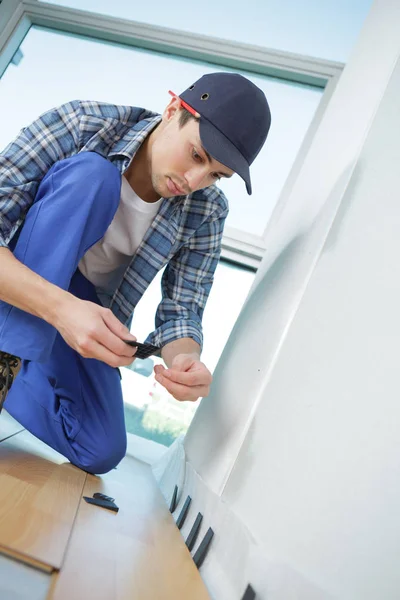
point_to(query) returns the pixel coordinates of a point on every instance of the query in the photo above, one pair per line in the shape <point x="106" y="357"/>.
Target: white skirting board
<point x="235" y="558"/>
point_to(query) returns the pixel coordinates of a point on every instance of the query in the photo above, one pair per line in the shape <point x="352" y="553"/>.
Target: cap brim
<point x="222" y="150"/>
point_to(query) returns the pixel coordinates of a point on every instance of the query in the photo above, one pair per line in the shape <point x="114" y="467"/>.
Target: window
<point x="150" y="411"/>
<point x="322" y="29"/>
<point x="76" y="67"/>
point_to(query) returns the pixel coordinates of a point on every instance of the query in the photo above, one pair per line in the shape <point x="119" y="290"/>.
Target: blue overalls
<point x="73" y="404"/>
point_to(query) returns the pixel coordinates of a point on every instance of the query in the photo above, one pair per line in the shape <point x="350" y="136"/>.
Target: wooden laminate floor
<point x="55" y="546"/>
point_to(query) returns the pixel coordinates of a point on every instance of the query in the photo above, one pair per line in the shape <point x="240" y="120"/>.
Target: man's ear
<point x="171" y="110"/>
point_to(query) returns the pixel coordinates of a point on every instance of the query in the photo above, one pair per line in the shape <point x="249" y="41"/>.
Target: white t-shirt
<point x="105" y="262"/>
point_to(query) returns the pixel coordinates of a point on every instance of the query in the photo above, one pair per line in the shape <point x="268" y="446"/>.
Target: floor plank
<point x="18" y="581"/>
<point x="8" y="426"/>
<point x="31" y="562"/>
<point x="136" y="554"/>
<point x="39" y="497"/>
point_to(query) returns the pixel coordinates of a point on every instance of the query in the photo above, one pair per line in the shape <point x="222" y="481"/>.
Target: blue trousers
<point x="73" y="404"/>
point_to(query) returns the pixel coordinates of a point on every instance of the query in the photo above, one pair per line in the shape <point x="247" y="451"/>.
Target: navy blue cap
<point x="234" y="119"/>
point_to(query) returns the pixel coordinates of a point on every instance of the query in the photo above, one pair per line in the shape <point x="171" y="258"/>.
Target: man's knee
<point x="106" y="458"/>
<point x="87" y="166"/>
<point x="73" y="175"/>
<point x="84" y="185"/>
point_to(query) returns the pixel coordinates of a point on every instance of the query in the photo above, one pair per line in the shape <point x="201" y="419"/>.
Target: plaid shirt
<point x="185" y="235"/>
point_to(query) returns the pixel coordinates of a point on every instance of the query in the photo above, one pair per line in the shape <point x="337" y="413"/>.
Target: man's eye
<point x="196" y="156"/>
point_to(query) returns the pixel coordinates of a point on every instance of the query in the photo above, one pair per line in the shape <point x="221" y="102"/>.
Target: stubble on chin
<point x="157" y="187"/>
<point x="160" y="187"/>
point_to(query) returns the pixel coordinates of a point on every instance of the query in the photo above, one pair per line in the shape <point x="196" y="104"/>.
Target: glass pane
<point x="150" y="411"/>
<point x="326" y="29"/>
<point x="88" y="69"/>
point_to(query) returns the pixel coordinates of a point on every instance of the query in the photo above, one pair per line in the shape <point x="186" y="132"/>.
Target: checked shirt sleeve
<point x="24" y="162"/>
<point x="187" y="281"/>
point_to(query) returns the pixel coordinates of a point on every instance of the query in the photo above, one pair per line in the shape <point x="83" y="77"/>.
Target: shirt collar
<point x="130" y="143"/>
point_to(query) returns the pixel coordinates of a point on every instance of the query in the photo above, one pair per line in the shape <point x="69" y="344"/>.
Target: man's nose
<point x="194" y="178"/>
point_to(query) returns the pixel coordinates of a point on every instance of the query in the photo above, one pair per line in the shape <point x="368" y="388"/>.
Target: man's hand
<point x="88" y="328"/>
<point x="187" y="378"/>
<point x="94" y="332"/>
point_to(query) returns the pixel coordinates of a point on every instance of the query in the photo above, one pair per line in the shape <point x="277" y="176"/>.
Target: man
<point x="94" y="200"/>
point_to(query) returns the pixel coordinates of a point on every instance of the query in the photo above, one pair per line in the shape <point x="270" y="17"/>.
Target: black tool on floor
<point x="194" y="532"/>
<point x="202" y="550"/>
<point x="182" y="517"/>
<point x="103" y="497"/>
<point x="143" y="350"/>
<point x="103" y="501"/>
<point x="249" y="594"/>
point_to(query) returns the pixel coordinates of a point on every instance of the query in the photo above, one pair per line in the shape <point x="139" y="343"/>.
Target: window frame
<point x="239" y="247"/>
<point x="18" y="16"/>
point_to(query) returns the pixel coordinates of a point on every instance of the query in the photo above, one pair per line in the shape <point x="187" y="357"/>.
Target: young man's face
<point x="178" y="163"/>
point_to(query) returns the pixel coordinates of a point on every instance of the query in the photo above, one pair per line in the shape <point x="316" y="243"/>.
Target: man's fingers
<point x="183" y="392"/>
<point x="113" y="332"/>
<point x="102" y="353"/>
<point x="190" y="378"/>
<point x="159" y="369"/>
<point x="113" y="343"/>
<point x="116" y="326"/>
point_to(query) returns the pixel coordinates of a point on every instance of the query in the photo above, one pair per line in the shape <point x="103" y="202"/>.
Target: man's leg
<point x="73" y="404"/>
<point x="75" y="204"/>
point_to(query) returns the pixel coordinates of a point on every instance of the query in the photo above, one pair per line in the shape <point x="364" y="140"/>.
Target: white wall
<point x="318" y="476"/>
<point x="297" y="233"/>
<point x="300" y="435"/>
